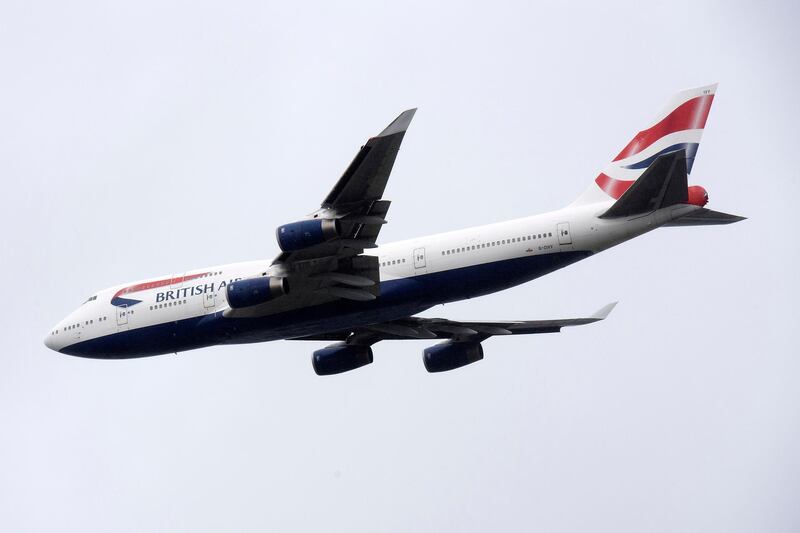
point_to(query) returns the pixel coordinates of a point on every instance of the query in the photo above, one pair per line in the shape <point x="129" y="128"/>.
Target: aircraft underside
<point x="398" y="299"/>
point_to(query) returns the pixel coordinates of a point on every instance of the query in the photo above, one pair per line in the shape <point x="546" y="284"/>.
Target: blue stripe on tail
<point x="691" y="151"/>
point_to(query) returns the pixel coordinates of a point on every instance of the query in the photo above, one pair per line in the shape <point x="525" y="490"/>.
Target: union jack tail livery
<point x="678" y="126"/>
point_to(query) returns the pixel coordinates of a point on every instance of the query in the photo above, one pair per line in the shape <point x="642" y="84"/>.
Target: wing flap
<point x="439" y="328"/>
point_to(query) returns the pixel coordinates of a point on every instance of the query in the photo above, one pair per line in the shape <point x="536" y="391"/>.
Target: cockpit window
<point x="90" y="299"/>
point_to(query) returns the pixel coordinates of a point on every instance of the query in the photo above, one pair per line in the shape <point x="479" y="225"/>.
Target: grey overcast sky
<point x="144" y="138"/>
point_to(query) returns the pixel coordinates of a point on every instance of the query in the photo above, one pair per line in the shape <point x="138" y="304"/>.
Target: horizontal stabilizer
<point x="663" y="184"/>
<point x="705" y="217"/>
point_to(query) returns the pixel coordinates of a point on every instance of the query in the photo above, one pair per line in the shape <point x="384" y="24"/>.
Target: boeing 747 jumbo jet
<point x="332" y="282"/>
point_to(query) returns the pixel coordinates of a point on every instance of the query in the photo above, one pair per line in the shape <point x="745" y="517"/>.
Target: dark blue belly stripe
<point x="398" y="299"/>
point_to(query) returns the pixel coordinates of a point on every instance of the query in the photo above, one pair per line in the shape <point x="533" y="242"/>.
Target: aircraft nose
<point x="50" y="341"/>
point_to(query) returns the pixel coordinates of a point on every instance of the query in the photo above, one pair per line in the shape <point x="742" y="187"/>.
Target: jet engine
<point x="451" y="355"/>
<point x="698" y="195"/>
<point x="338" y="358"/>
<point x="254" y="291"/>
<point x="299" y="235"/>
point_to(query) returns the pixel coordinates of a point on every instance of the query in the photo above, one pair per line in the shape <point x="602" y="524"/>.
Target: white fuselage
<point x="200" y="292"/>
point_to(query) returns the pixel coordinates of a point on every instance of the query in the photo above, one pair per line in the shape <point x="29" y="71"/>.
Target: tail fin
<point x="679" y="126"/>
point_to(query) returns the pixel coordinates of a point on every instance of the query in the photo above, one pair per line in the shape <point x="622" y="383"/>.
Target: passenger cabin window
<point x="508" y="240"/>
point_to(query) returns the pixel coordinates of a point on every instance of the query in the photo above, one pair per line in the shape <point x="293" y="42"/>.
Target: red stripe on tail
<point x="613" y="188"/>
<point x="690" y="115"/>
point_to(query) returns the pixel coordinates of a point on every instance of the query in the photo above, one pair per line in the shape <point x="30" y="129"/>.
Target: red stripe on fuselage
<point x="614" y="188"/>
<point x="156" y="284"/>
<point x="690" y="115"/>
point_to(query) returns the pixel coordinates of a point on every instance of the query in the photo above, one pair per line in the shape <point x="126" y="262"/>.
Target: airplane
<point x="332" y="282"/>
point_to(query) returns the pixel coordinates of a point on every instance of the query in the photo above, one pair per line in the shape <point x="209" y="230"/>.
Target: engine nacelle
<point x="299" y="235"/>
<point x="451" y="355"/>
<point x="254" y="291"/>
<point x="698" y="195"/>
<point x="338" y="358"/>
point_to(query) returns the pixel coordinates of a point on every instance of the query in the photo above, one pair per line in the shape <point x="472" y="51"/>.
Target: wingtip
<point x="400" y="124"/>
<point x="603" y="312"/>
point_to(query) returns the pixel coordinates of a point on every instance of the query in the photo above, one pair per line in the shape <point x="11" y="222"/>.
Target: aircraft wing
<point x="322" y="258"/>
<point x="413" y="328"/>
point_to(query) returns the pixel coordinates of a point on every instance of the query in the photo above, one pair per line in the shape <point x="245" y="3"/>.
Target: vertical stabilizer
<point x="678" y="126"/>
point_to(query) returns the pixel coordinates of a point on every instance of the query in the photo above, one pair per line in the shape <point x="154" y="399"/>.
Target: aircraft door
<point x="209" y="301"/>
<point x="122" y="315"/>
<point x="564" y="236"/>
<point x="419" y="259"/>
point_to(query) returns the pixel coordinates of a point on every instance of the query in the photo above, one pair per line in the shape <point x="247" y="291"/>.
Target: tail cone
<point x="698" y="196"/>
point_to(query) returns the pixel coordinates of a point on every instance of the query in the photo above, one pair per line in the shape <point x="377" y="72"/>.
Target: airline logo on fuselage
<point x="172" y="293"/>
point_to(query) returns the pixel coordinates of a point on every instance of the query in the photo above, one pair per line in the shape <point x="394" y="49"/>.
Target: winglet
<point x="602" y="313"/>
<point x="400" y="124"/>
